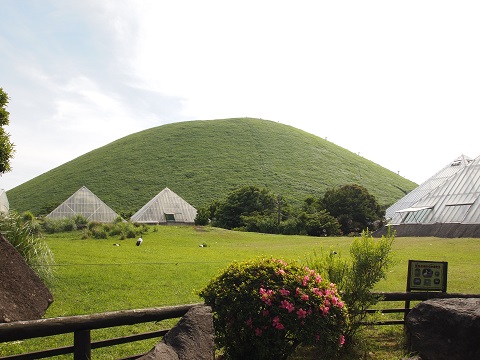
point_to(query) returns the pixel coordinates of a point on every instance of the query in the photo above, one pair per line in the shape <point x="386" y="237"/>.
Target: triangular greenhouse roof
<point x="447" y="205"/>
<point x="85" y="203"/>
<point x="441" y="177"/>
<point x="4" y="205"/>
<point x="165" y="207"/>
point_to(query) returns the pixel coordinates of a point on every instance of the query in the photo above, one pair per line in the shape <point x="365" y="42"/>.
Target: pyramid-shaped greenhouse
<point x="4" y="206"/>
<point x="166" y="207"/>
<point x="394" y="212"/>
<point x="85" y="203"/>
<point x="446" y="205"/>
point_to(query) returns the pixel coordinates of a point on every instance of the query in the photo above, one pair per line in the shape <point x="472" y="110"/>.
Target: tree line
<point x="343" y="210"/>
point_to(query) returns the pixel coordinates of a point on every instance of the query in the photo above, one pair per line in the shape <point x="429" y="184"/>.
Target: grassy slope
<point x="203" y="160"/>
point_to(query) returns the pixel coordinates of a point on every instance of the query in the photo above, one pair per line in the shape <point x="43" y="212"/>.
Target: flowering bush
<point x="264" y="308"/>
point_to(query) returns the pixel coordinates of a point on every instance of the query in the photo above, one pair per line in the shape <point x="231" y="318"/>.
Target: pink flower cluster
<point x="297" y="301"/>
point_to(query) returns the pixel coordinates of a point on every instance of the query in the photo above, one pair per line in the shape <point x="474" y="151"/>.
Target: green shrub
<point x="319" y="223"/>
<point x="93" y="224"/>
<point x="24" y="233"/>
<point x="28" y="216"/>
<point x="51" y="226"/>
<point x="263" y="309"/>
<point x="68" y="225"/>
<point x="267" y="224"/>
<point x="203" y="217"/>
<point x="97" y="231"/>
<point x="289" y="227"/>
<point x="80" y="222"/>
<point x="131" y="233"/>
<point x="356" y="277"/>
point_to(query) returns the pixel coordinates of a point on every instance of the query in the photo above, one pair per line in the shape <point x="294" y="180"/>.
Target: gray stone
<point x="23" y="295"/>
<point x="191" y="339"/>
<point x="441" y="329"/>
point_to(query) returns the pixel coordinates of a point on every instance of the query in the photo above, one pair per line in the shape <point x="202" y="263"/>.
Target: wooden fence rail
<point x="406" y="297"/>
<point x="81" y="325"/>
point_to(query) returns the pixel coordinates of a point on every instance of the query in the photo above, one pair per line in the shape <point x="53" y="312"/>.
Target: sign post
<point x="426" y="275"/>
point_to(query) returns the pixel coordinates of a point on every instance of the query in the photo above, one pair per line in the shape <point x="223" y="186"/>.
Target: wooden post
<point x="82" y="345"/>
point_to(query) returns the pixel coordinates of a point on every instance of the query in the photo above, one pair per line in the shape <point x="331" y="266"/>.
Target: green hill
<point x="202" y="161"/>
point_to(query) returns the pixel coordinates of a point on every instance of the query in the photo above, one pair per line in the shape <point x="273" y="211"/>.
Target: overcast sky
<point x="396" y="81"/>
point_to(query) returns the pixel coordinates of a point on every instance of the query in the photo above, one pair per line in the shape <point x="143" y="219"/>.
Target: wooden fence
<point x="81" y="325"/>
<point x="406" y="298"/>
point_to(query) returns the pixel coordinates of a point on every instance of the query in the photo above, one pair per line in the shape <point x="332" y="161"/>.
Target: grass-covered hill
<point x="204" y="160"/>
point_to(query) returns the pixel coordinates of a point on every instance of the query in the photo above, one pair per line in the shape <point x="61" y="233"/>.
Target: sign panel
<point x="427" y="275"/>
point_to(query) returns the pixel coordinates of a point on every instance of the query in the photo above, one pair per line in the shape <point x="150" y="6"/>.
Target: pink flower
<point x="341" y="340"/>
<point x="304" y="297"/>
<point x="277" y="324"/>
<point x="317" y="337"/>
<point x="340" y="304"/>
<point x="317" y="291"/>
<point x="324" y="310"/>
<point x="266" y="295"/>
<point x="285" y="304"/>
<point x="281" y="272"/>
<point x="305" y="280"/>
<point x="301" y="313"/>
<point x="265" y="313"/>
<point x="249" y="323"/>
<point x="258" y="332"/>
<point x="284" y="292"/>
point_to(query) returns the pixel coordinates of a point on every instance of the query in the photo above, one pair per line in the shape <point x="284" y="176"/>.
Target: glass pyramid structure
<point x="446" y="205"/>
<point x="166" y="207"/>
<point x="85" y="203"/>
<point x="4" y="206"/>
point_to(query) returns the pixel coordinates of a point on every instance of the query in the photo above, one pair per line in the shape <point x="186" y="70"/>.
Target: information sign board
<point x="427" y="275"/>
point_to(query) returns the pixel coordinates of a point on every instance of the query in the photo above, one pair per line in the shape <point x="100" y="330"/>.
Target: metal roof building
<point x="446" y="205"/>
<point x="84" y="202"/>
<point x="166" y="208"/>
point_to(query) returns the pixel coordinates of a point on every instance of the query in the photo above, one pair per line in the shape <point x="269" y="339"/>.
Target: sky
<point x="397" y="82"/>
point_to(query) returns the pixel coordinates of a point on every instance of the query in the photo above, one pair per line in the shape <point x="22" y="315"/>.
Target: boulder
<point x="191" y="339"/>
<point x="23" y="295"/>
<point x="439" y="329"/>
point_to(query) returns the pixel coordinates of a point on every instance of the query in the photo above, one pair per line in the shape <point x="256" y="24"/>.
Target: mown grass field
<point x="170" y="267"/>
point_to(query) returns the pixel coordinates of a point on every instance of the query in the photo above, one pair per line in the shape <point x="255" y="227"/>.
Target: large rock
<point x="441" y="329"/>
<point x="23" y="295"/>
<point x="191" y="339"/>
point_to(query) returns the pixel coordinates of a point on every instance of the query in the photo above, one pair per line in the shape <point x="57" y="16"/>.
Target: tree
<point x="244" y="202"/>
<point x="6" y="146"/>
<point x="316" y="221"/>
<point x="353" y="206"/>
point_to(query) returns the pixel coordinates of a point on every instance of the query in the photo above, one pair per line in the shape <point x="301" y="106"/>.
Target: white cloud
<point x="393" y="81"/>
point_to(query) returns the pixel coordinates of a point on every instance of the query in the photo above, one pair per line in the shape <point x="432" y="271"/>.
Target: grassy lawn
<point x="170" y="267"/>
